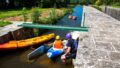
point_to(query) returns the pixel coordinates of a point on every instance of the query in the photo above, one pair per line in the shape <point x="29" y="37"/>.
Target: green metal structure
<point x="41" y="26"/>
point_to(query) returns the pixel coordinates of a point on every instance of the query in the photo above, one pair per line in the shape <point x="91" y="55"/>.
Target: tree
<point x="93" y="1"/>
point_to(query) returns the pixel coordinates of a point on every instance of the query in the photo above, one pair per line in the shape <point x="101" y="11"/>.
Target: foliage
<point x="53" y="15"/>
<point x="24" y="13"/>
<point x="4" y="23"/>
<point x="35" y="15"/>
<point x="51" y="3"/>
<point x="35" y="19"/>
<point x="92" y="1"/>
<point x="98" y="3"/>
<point x="66" y="11"/>
<point x="46" y="21"/>
<point x="71" y="6"/>
<point x="116" y="4"/>
<point x="31" y="3"/>
<point x="97" y="7"/>
<point x="9" y="13"/>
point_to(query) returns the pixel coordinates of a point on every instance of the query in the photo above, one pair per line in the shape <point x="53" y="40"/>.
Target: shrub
<point x="98" y="3"/>
<point x="97" y="7"/>
<point x="24" y="13"/>
<point x="46" y="21"/>
<point x="53" y="15"/>
<point x="35" y="15"/>
<point x="116" y="4"/>
<point x="66" y="11"/>
<point x="35" y="19"/>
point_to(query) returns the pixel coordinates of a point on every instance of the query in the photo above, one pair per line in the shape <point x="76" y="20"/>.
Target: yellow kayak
<point x="25" y="43"/>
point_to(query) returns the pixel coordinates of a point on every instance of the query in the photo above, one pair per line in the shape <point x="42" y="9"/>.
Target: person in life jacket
<point x="71" y="49"/>
<point x="57" y="43"/>
<point x="57" y="48"/>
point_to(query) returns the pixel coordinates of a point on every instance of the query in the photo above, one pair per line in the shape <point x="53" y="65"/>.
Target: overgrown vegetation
<point x="7" y="13"/>
<point x="24" y="13"/>
<point x="116" y="5"/>
<point x="53" y="16"/>
<point x="35" y="19"/>
<point x="13" y="12"/>
<point x="4" y="23"/>
<point x="106" y="2"/>
<point x="31" y="3"/>
<point x="35" y="15"/>
<point x="52" y="3"/>
<point x="98" y="3"/>
<point x="113" y="3"/>
<point x="97" y="7"/>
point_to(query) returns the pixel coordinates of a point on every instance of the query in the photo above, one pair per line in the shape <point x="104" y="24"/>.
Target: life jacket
<point x="58" y="44"/>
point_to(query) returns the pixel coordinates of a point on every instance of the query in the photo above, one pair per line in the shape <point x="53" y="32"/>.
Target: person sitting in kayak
<point x="58" y="43"/>
<point x="57" y="48"/>
<point x="71" y="49"/>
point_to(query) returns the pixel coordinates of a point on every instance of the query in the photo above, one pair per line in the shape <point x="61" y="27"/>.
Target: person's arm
<point x="68" y="50"/>
<point x="53" y="44"/>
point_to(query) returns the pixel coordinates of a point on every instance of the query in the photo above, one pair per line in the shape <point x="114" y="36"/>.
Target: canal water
<point x="65" y="21"/>
<point x="18" y="58"/>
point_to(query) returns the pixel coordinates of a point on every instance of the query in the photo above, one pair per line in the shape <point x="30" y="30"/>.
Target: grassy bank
<point x="115" y="6"/>
<point x="4" y="23"/>
<point x="46" y="16"/>
<point x="10" y="13"/>
<point x="16" y="15"/>
<point x="97" y="7"/>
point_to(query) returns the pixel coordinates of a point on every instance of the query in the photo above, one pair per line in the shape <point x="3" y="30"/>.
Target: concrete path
<point x="100" y="47"/>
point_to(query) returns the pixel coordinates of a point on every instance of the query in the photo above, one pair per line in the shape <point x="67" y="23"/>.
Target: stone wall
<point x="22" y="33"/>
<point x="13" y="32"/>
<point x="114" y="12"/>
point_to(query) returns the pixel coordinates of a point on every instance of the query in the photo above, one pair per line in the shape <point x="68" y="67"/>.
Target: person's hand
<point x="63" y="56"/>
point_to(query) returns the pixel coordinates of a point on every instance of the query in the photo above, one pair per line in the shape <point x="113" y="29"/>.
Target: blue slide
<point x="39" y="51"/>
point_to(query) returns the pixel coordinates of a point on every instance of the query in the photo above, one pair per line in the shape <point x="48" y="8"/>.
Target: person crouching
<point x="71" y="49"/>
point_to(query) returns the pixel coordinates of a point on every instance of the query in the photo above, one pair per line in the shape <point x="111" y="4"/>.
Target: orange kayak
<point x="25" y="43"/>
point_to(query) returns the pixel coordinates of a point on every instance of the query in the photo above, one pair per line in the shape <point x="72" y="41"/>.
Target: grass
<point x="14" y="12"/>
<point x="4" y="23"/>
<point x="115" y="6"/>
<point x="97" y="7"/>
<point x="51" y="16"/>
<point x="45" y="16"/>
<point x="10" y="13"/>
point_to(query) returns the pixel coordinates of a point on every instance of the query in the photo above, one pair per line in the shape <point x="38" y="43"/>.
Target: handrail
<point x="55" y="27"/>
